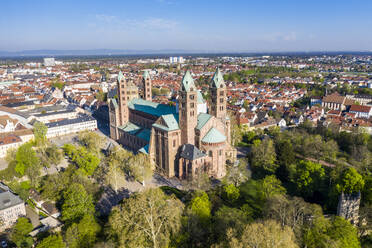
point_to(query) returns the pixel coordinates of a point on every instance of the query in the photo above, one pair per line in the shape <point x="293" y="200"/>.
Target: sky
<point x="195" y="25"/>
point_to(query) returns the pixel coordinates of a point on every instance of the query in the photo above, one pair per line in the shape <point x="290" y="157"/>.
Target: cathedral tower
<point x="147" y="88"/>
<point x="188" y="109"/>
<point x="123" y="100"/>
<point x="218" y="95"/>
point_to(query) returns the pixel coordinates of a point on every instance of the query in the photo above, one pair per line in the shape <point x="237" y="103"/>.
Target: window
<point x="192" y="97"/>
<point x="221" y="100"/>
<point x="220" y="152"/>
<point x="221" y="93"/>
<point x="210" y="153"/>
<point x="174" y="143"/>
<point x="192" y="105"/>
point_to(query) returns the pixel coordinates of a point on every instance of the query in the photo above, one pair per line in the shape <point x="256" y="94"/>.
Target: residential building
<point x="11" y="207"/>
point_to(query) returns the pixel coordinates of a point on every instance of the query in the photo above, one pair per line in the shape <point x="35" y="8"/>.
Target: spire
<point x="217" y="79"/>
<point x="187" y="82"/>
<point x="120" y="76"/>
<point x="146" y="75"/>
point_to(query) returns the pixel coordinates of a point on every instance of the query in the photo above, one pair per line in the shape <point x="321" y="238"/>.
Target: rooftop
<point x="214" y="136"/>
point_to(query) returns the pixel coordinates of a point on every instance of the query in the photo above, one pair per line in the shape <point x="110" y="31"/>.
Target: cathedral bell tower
<point x="123" y="100"/>
<point x="188" y="113"/>
<point x="147" y="88"/>
<point x="218" y="95"/>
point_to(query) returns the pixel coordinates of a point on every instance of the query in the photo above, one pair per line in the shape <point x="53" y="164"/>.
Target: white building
<point x="11" y="207"/>
<point x="49" y="62"/>
<point x="68" y="126"/>
<point x="176" y="60"/>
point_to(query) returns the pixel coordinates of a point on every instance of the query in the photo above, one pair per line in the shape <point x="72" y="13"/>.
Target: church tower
<point x="188" y="109"/>
<point x="147" y="88"/>
<point x="218" y="95"/>
<point x="123" y="100"/>
<point x="219" y="102"/>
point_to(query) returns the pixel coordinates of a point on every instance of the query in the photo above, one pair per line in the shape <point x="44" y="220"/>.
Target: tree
<point x="20" y="233"/>
<point x="335" y="233"/>
<point x="26" y="158"/>
<point x="265" y="234"/>
<point x="77" y="203"/>
<point x="52" y="241"/>
<point x="291" y="211"/>
<point x="263" y="156"/>
<point x="53" y="154"/>
<point x="350" y="182"/>
<point x="225" y="218"/>
<point x="237" y="174"/>
<point x="82" y="234"/>
<point x="271" y="186"/>
<point x="231" y="192"/>
<point x="116" y="162"/>
<point x="139" y="167"/>
<point x="147" y="219"/>
<point x="91" y="140"/>
<point x="40" y="130"/>
<point x="308" y="177"/>
<point x="201" y="206"/>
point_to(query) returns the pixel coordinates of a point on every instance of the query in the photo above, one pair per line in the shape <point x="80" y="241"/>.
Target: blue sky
<point x="213" y="25"/>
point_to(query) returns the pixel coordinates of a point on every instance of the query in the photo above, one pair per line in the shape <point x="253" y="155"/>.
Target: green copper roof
<point x="214" y="136"/>
<point x="130" y="128"/>
<point x="200" y="97"/>
<point x="151" y="108"/>
<point x="144" y="134"/>
<point x="144" y="149"/>
<point x="170" y="122"/>
<point x="120" y="76"/>
<point x="113" y="100"/>
<point x="188" y="82"/>
<point x="203" y="118"/>
<point x="146" y="74"/>
<point x="217" y="79"/>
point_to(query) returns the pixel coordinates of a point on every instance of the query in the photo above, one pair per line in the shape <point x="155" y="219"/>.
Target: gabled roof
<point x="170" y="123"/>
<point x="144" y="134"/>
<point x="217" y="79"/>
<point x="187" y="82"/>
<point x="203" y="118"/>
<point x="214" y="136"/>
<point x="120" y="76"/>
<point x="130" y="128"/>
<point x="191" y="152"/>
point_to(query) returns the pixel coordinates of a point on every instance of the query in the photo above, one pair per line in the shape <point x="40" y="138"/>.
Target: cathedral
<point x="181" y="140"/>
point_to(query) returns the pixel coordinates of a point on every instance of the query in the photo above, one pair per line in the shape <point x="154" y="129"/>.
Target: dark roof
<point x="82" y="118"/>
<point x="191" y="152"/>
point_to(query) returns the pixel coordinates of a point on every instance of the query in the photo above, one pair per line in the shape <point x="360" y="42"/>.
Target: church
<point x="181" y="140"/>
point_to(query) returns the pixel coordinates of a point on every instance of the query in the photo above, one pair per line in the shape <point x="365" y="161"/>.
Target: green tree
<point x="147" y="219"/>
<point x="26" y="158"/>
<point x="350" y="182"/>
<point x="231" y="192"/>
<point x="52" y="241"/>
<point x="91" y="140"/>
<point x="77" y="203"/>
<point x="308" y="177"/>
<point x="263" y="156"/>
<point x="53" y="154"/>
<point x="40" y="130"/>
<point x="266" y="234"/>
<point x="201" y="206"/>
<point x="237" y="174"/>
<point x="335" y="233"/>
<point x="82" y="234"/>
<point x="271" y="186"/>
<point x="20" y="233"/>
<point x="116" y="162"/>
<point x="139" y="167"/>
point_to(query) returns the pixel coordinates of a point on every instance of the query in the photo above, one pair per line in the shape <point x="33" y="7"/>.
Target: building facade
<point x="11" y="207"/>
<point x="181" y="140"/>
